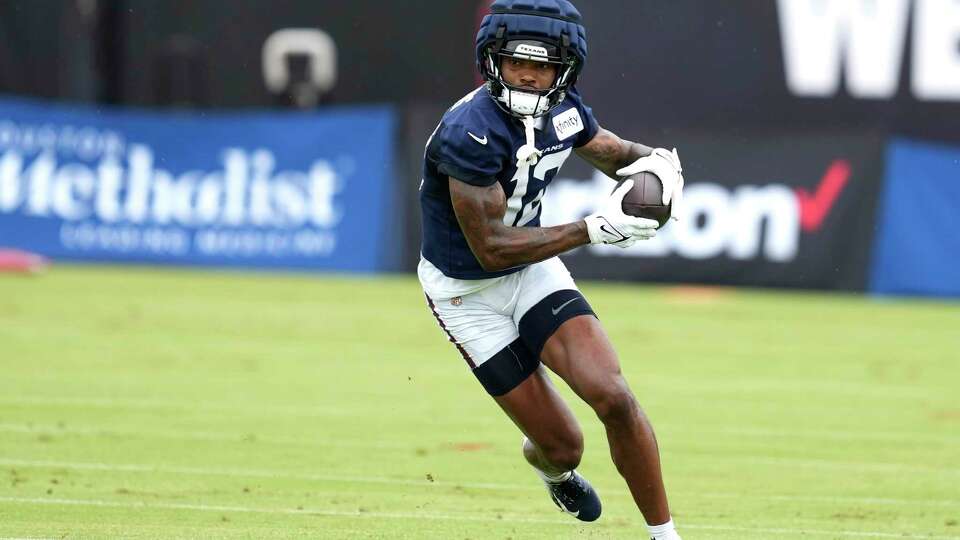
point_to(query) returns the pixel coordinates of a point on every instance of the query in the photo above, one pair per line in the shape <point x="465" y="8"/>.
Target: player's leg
<point x="481" y="327"/>
<point x="580" y="353"/>
<point x="554" y="442"/>
<point x="556" y="322"/>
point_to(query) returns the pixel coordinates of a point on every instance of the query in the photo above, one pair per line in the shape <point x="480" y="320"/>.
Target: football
<point x="645" y="198"/>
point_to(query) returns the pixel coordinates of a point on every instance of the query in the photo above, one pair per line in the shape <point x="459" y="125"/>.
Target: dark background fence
<point x="653" y="65"/>
<point x="755" y="93"/>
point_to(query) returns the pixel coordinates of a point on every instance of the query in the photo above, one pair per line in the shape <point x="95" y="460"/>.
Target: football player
<point x="491" y="273"/>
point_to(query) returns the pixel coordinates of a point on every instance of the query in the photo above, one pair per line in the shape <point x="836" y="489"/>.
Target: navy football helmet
<point x="543" y="31"/>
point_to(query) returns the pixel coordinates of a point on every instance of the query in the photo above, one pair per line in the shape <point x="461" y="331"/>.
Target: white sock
<point x="554" y="478"/>
<point x="663" y="532"/>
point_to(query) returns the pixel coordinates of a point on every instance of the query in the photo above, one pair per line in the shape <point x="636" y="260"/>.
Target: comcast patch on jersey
<point x="568" y="123"/>
<point x="252" y="190"/>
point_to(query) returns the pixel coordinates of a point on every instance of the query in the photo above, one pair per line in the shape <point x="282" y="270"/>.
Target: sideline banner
<point x="918" y="242"/>
<point x="767" y="209"/>
<point x="264" y="190"/>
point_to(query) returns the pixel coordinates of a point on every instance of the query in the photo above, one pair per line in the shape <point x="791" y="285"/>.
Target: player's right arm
<point x="498" y="246"/>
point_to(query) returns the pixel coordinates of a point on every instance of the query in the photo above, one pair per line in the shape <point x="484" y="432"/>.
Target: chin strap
<point x="528" y="153"/>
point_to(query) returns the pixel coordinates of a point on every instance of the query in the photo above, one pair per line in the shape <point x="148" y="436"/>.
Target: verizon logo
<point x="814" y="207"/>
<point x="746" y="222"/>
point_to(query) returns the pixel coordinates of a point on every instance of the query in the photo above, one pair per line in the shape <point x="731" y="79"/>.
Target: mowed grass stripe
<point x="747" y="392"/>
<point x="500" y="518"/>
<point x="309" y="439"/>
<point x="751" y="457"/>
<point x="435" y="484"/>
<point x="292" y="511"/>
<point x="746" y="458"/>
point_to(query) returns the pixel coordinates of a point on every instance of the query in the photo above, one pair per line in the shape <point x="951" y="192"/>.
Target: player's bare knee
<point x="564" y="453"/>
<point x="566" y="457"/>
<point x="616" y="404"/>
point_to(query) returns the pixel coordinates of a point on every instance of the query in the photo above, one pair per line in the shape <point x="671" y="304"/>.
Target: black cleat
<point x="576" y="497"/>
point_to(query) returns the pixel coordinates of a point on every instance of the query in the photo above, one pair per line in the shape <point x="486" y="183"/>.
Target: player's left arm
<point x="609" y="153"/>
<point x="619" y="158"/>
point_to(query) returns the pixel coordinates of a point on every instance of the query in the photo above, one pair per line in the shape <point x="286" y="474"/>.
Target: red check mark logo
<point x="814" y="208"/>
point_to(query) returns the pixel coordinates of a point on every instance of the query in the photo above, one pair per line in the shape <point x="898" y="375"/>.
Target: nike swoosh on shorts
<point x="559" y="308"/>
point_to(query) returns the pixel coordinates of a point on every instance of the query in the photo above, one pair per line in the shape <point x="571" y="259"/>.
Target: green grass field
<point x="140" y="403"/>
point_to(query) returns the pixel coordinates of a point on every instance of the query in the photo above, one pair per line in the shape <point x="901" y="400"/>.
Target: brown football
<point x="645" y="198"/>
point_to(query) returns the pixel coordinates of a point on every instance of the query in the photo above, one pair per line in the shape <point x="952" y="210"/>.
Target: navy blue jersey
<point x="477" y="142"/>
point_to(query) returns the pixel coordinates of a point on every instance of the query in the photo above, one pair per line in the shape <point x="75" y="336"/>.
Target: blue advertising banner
<point x="917" y="248"/>
<point x="263" y="190"/>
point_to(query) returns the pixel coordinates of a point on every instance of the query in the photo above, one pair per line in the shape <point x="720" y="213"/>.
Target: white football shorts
<point x="500" y="325"/>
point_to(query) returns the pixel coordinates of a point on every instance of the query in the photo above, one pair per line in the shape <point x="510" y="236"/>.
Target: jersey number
<point x="519" y="214"/>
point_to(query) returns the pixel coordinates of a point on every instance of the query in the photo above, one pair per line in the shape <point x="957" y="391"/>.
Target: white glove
<point x="610" y="225"/>
<point x="666" y="165"/>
